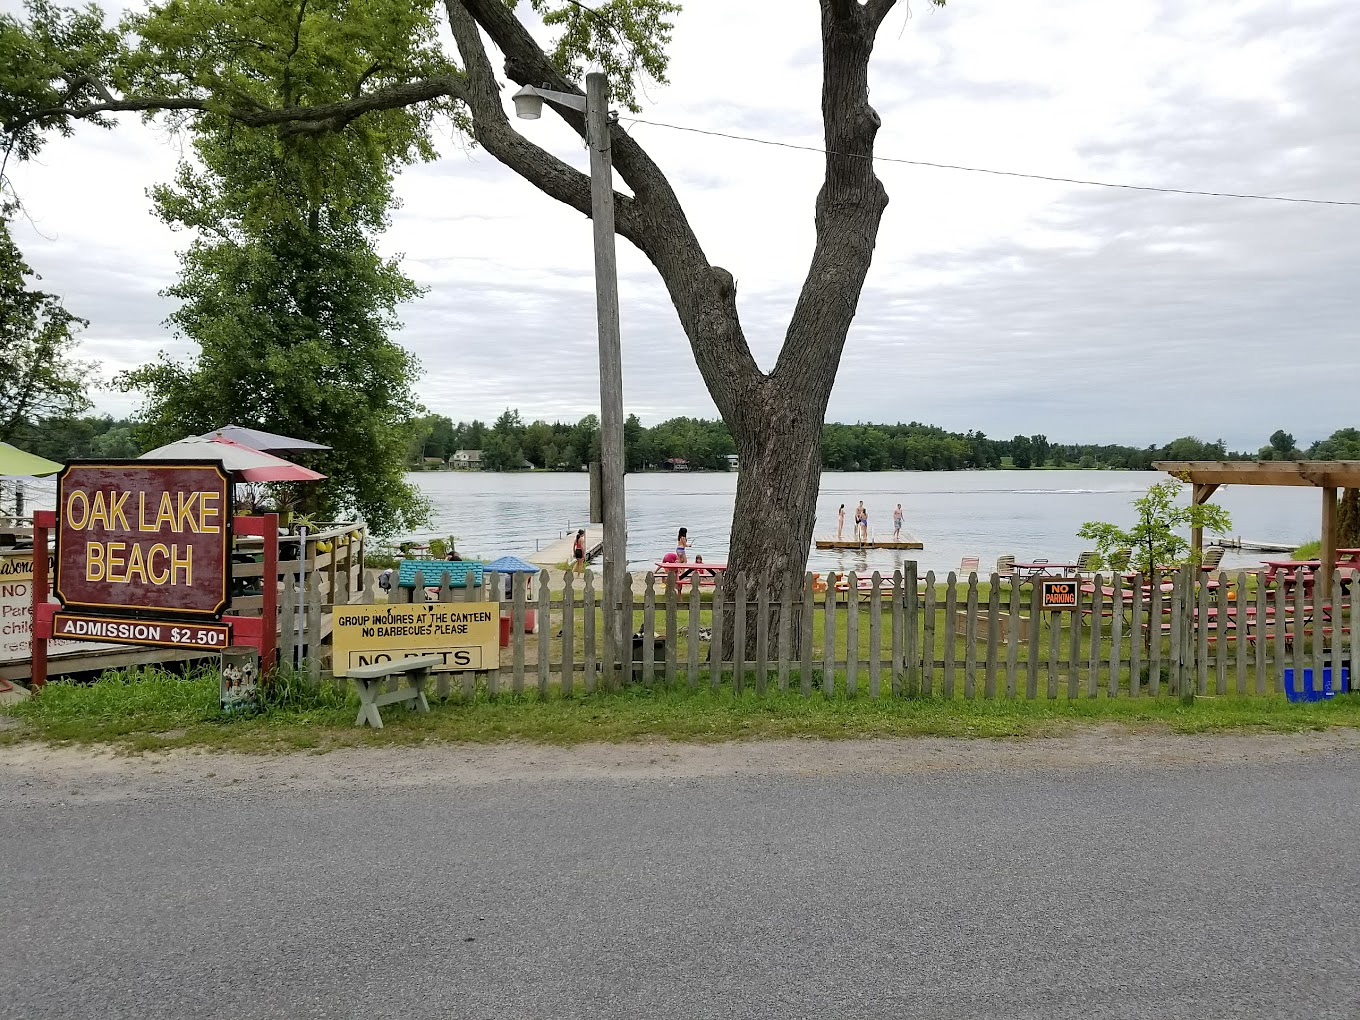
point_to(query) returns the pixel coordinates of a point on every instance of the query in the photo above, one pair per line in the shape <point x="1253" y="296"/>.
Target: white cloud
<point x="996" y="303"/>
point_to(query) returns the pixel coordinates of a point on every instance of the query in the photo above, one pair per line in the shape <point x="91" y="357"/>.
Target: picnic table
<point x="702" y="574"/>
<point x="1028" y="573"/>
<point x="1291" y="572"/>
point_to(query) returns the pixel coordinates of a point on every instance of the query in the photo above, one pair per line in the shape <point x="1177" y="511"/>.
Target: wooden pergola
<point x="1328" y="475"/>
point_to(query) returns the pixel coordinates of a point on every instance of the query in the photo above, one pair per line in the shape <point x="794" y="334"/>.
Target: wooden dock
<point x="906" y="542"/>
<point x="1247" y="545"/>
<point x="558" y="552"/>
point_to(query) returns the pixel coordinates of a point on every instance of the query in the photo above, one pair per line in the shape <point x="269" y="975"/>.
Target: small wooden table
<point x="369" y="679"/>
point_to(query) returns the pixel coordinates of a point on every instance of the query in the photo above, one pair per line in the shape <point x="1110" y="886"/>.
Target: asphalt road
<point x="1097" y="892"/>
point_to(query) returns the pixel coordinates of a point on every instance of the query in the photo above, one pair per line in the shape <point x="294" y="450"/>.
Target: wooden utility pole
<point x="617" y="646"/>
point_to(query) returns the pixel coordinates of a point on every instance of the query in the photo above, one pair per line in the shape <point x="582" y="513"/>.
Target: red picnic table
<point x="1291" y="572"/>
<point x="705" y="575"/>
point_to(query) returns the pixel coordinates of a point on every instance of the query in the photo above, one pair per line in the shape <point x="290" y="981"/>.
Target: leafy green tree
<point x="282" y="287"/>
<point x="1157" y="536"/>
<point x="1022" y="452"/>
<point x="1282" y="443"/>
<point x="1040" y="445"/>
<point x="39" y="378"/>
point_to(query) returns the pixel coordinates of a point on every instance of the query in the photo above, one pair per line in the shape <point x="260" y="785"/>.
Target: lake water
<point x="956" y="514"/>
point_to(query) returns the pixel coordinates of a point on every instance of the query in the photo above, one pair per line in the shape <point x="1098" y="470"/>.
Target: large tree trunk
<point x="776" y="417"/>
<point x="772" y="522"/>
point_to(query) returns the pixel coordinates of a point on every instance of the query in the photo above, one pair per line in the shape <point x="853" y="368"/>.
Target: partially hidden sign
<point x="1057" y="593"/>
<point x="150" y="537"/>
<point x="465" y="634"/>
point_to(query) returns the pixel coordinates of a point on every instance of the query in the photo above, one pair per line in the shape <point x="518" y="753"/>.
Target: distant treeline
<point x="509" y="444"/>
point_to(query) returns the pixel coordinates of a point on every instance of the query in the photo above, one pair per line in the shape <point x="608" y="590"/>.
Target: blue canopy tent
<point x="509" y="566"/>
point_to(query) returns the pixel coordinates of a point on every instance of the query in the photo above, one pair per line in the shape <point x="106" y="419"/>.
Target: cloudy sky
<point x="1008" y="305"/>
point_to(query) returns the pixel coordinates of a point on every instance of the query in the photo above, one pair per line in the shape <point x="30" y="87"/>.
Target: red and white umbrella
<point x="246" y="464"/>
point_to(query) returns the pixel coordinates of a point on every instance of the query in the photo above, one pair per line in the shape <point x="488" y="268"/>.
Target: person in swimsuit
<point x="864" y="524"/>
<point x="578" y="551"/>
<point x="861" y="519"/>
<point x="682" y="545"/>
<point x="897" y="523"/>
<point x="840" y="524"/>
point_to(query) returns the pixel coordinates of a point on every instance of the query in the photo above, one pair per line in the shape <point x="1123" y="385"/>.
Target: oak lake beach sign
<point x="144" y="538"/>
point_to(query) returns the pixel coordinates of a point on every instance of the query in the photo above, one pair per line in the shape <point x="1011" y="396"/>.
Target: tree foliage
<point x="1157" y="538"/>
<point x="282" y="288"/>
<point x="39" y="377"/>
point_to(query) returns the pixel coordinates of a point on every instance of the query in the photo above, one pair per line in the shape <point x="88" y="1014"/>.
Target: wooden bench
<point x="369" y="679"/>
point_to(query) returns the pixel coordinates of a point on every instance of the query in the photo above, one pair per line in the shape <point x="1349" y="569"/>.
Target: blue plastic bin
<point x="1311" y="693"/>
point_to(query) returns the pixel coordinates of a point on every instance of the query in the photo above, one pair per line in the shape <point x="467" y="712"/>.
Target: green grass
<point x="1309" y="550"/>
<point x="154" y="709"/>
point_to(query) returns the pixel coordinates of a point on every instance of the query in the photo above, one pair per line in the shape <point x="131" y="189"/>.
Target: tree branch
<point x="850" y="209"/>
<point x="491" y="128"/>
<point x="291" y="120"/>
<point x="704" y="295"/>
<point x="877" y="10"/>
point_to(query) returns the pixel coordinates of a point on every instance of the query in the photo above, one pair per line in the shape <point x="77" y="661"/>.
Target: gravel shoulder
<point x="39" y="773"/>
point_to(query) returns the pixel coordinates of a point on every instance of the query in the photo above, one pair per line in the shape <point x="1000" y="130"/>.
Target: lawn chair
<point x="1005" y="569"/>
<point x="1212" y="557"/>
<point x="1087" y="563"/>
<point x="969" y="565"/>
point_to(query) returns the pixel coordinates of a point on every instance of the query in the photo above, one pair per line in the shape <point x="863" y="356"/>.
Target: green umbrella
<point x="14" y="461"/>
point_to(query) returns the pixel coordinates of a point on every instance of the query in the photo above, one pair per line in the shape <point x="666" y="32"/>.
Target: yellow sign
<point x="465" y="634"/>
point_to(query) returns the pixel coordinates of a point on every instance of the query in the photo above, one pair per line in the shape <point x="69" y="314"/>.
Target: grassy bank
<point x="155" y="710"/>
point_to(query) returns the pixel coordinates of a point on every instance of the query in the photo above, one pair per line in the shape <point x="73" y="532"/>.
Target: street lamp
<point x="595" y="104"/>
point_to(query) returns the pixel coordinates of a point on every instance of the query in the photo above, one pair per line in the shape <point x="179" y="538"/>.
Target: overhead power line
<point x="990" y="170"/>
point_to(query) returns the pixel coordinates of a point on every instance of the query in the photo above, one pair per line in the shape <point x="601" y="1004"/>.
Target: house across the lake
<point x="731" y="459"/>
<point x="467" y="460"/>
<point x="677" y="464"/>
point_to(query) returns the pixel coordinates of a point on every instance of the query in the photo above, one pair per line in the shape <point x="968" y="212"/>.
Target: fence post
<point x="695" y="622"/>
<point x="715" y="645"/>
<point x="588" y="629"/>
<point x="648" y="632"/>
<point x="785" y="652"/>
<point x="829" y="646"/>
<point x="672" y="625"/>
<point x="970" y="639"/>
<point x="739" y="636"/>
<point x="1136" y="637"/>
<point x="1035" y="634"/>
<point x="805" y="634"/>
<point x="852" y="635"/>
<point x="517" y="615"/>
<point x="898" y="594"/>
<point x="912" y="637"/>
<point x="928" y="638"/>
<point x="762" y="634"/>
<point x="544" y="622"/>
<point x="1013" y="640"/>
<point x="993" y="634"/>
<point x="951" y="632"/>
<point x="314" y="628"/>
<point x="1116" y="635"/>
<point x="568" y="634"/>
<point x="1094" y="660"/>
<point x="875" y="634"/>
<point x="1201" y="624"/>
